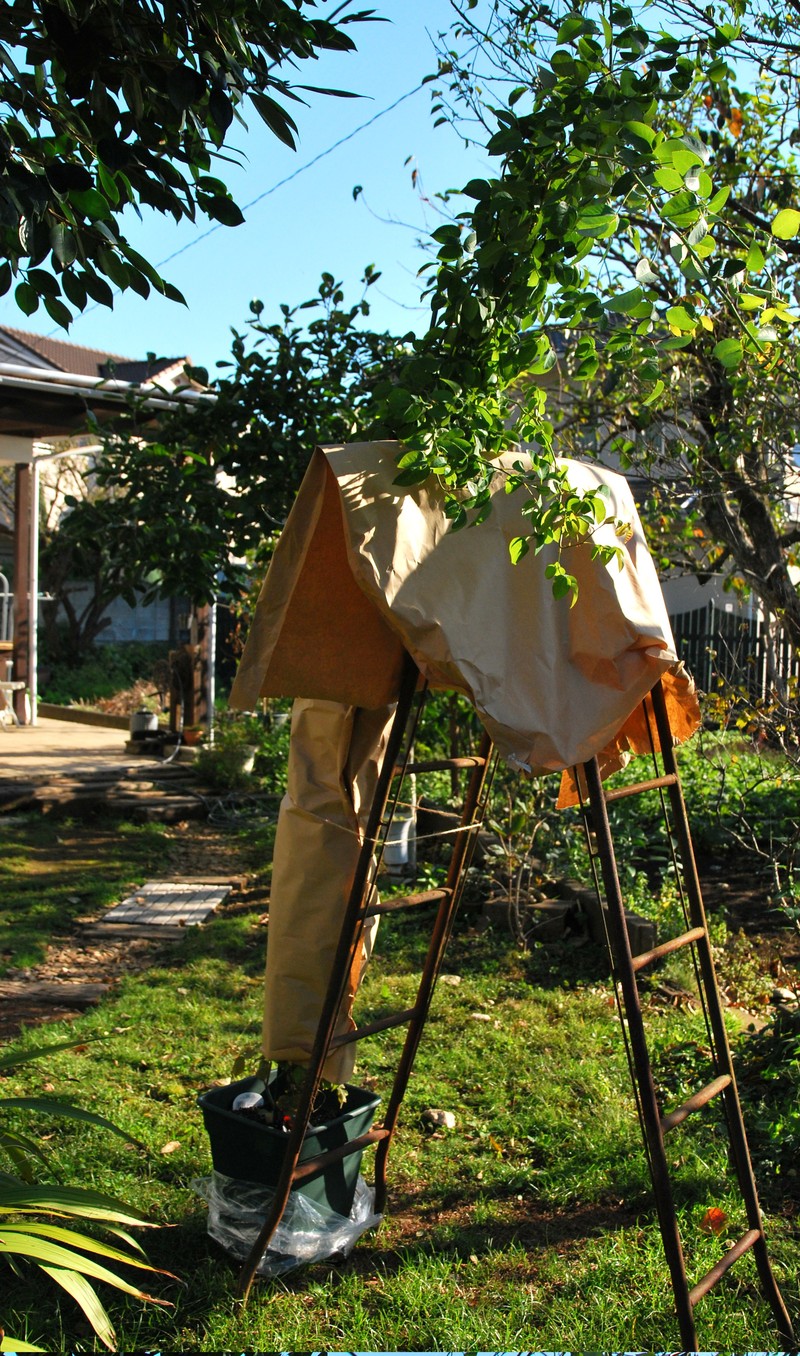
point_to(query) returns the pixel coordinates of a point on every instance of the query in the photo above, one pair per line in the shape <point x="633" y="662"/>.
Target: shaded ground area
<point x="89" y="966"/>
<point x="196" y="850"/>
<point x="754" y="922"/>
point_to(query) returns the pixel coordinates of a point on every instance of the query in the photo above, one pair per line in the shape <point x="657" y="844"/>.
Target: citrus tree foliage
<point x="637" y="242"/>
<point x="179" y="510"/>
<point x="114" y="104"/>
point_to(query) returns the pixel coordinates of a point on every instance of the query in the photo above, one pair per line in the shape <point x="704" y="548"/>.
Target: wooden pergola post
<point x="200" y="664"/>
<point x="22" y="584"/>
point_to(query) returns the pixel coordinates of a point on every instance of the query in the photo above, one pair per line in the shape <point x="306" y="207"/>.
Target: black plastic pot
<point x="243" y="1149"/>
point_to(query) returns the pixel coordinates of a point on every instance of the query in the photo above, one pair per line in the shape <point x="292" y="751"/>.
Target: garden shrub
<point x="219" y="764"/>
<point x="104" y="671"/>
<point x="768" y="1066"/>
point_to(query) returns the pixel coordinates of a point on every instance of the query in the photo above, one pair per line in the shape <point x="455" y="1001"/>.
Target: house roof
<point x="41" y="351"/>
<point x="48" y="386"/>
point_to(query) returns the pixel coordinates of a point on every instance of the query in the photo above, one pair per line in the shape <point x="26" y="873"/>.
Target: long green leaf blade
<point x="126" y="1238"/>
<point x="21" y="1149"/>
<point x="69" y="1200"/>
<point x="12" y="1058"/>
<point x="75" y="1113"/>
<point x="86" y="1296"/>
<point x="39" y="1250"/>
<point x="83" y="1241"/>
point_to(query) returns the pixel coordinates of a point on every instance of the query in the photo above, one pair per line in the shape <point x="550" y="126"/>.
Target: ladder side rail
<point x="622" y="960"/>
<point x="697" y="913"/>
<point x="473" y="816"/>
<point x="722" y="1050"/>
<point x="730" y="1095"/>
<point x="349" y="937"/>
<point x="591" y="848"/>
<point x="470" y="823"/>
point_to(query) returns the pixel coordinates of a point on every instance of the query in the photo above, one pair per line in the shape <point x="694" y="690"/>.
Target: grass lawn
<point x="54" y="870"/>
<point x="528" y="1226"/>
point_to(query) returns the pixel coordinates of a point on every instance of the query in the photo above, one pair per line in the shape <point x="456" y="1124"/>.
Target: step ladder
<point x="655" y="1122"/>
<point x="361" y="907"/>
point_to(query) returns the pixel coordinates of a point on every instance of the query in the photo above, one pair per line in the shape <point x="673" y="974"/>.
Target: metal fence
<point x="741" y="651"/>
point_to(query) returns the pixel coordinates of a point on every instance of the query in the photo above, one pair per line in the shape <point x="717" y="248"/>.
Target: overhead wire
<point x="296" y="173"/>
<point x="301" y="169"/>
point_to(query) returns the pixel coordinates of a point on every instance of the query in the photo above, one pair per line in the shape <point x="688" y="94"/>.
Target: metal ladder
<point x="396" y="765"/>
<point x="655" y="1123"/>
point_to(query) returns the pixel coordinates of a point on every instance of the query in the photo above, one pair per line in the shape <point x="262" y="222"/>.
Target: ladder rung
<point x="700" y="1099"/>
<point x="381" y="1024"/>
<point x="664" y="949"/>
<point x="401" y="902"/>
<point x="443" y="765"/>
<point x="620" y="792"/>
<point x="352" y="1146"/>
<point x="711" y="1277"/>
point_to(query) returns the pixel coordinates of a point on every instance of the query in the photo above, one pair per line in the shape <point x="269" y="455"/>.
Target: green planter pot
<point x="247" y="1151"/>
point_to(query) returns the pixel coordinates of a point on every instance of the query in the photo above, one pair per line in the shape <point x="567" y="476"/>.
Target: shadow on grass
<point x="209" y="1274"/>
<point x="401" y="947"/>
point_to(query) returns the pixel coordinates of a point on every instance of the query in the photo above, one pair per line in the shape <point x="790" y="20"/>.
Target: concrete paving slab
<point x="57" y="747"/>
<point x="169" y="903"/>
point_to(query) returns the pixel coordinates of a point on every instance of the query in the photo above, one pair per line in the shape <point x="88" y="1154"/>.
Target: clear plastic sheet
<point x="307" y="1232"/>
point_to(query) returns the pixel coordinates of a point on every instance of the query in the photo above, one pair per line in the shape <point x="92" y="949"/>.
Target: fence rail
<point x="741" y="651"/>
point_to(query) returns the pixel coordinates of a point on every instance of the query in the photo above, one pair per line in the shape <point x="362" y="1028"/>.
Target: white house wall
<point x="145" y="623"/>
<point x="684" y="593"/>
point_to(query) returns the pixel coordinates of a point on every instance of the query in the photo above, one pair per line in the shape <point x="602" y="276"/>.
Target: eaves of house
<point x="49" y="388"/>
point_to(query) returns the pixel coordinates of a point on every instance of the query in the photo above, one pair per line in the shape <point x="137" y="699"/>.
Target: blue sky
<point x="312" y="223"/>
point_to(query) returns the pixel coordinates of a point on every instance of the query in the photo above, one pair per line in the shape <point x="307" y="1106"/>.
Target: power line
<point x="295" y="173"/>
<point x="301" y="169"/>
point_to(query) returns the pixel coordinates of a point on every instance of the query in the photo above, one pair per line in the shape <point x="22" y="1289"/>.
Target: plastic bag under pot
<point x="247" y="1150"/>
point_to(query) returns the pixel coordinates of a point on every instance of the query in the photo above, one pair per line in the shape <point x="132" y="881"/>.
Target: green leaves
<point x="108" y="106"/>
<point x="786" y="224"/>
<point x="87" y="1298"/>
<point x="598" y="222"/>
<point x="729" y="352"/>
<point x="64" y="244"/>
<point x="221" y="208"/>
<point x="75" y="1113"/>
<point x="564" y="584"/>
<point x="641" y="132"/>
<point x="65" y="1255"/>
<point x="680" y="318"/>
<point x="572" y="27"/>
<point x="26" y="297"/>
<point x="276" y="118"/>
<point x="668" y="178"/>
<point x="626" y="301"/>
<point x="630" y="204"/>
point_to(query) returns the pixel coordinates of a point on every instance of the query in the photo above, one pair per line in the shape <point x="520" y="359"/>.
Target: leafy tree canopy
<point x="114" y="104"/>
<point x="638" y="242"/>
<point x="182" y="511"/>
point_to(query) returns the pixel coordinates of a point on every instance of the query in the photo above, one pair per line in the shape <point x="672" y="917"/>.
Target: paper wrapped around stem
<point x="334" y="761"/>
<point x="366" y="571"/>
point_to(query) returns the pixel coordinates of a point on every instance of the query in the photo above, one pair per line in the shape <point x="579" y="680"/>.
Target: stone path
<point x="75" y="767"/>
<point x="164" y="903"/>
<point x="83" y="969"/>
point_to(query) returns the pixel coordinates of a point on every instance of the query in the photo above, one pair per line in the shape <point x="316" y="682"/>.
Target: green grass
<point x="529" y="1225"/>
<point x="52" y="870"/>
